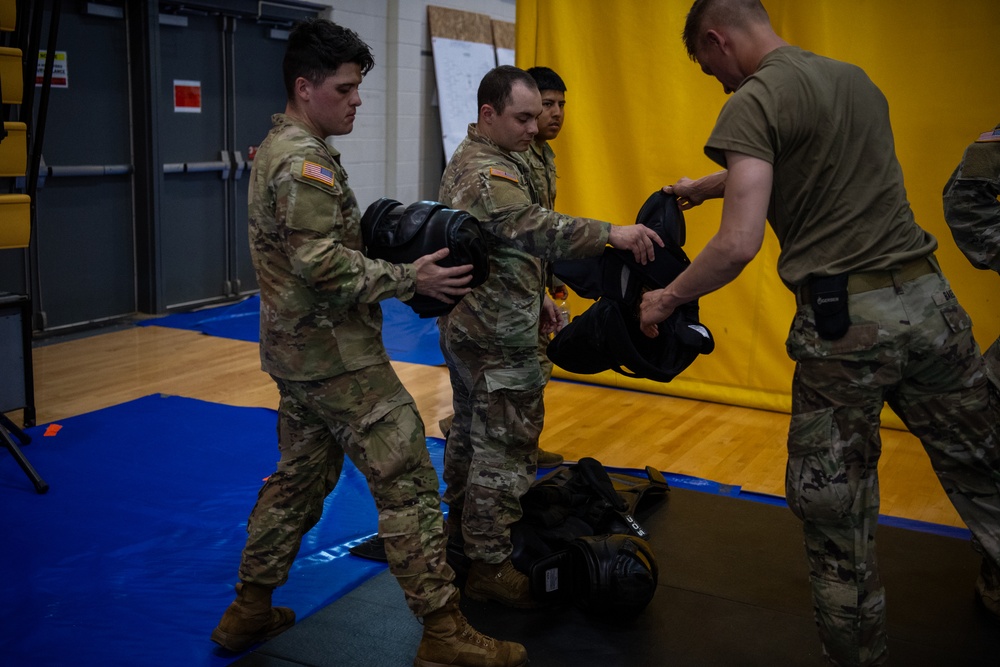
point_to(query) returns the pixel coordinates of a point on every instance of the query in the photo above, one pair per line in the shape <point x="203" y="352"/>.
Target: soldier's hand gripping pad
<point x="606" y="336"/>
<point x="403" y="235"/>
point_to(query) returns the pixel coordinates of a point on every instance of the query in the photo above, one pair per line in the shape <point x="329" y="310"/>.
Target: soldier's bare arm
<point x="691" y="193"/>
<point x="739" y="239"/>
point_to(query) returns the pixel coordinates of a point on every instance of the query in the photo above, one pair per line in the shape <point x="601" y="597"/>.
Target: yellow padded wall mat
<point x="639" y="111"/>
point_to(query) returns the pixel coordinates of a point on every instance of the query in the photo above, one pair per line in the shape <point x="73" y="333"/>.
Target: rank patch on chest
<point x="317" y="172"/>
<point x="500" y="173"/>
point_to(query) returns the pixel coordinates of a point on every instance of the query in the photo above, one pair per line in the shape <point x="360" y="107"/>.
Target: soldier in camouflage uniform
<point x="541" y="161"/>
<point x="540" y="157"/>
<point x="807" y="146"/>
<point x="490" y="339"/>
<point x="973" y="212"/>
<point x="321" y="342"/>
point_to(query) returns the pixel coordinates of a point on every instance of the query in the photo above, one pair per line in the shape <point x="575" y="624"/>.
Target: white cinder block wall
<point x="395" y="149"/>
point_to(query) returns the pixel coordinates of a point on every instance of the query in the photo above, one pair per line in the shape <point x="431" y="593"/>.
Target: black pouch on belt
<point x="828" y="297"/>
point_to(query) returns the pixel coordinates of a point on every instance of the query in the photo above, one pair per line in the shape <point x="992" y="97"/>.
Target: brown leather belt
<point x="867" y="281"/>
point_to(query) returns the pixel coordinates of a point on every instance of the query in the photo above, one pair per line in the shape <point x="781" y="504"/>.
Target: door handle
<point x="73" y="171"/>
<point x="224" y="166"/>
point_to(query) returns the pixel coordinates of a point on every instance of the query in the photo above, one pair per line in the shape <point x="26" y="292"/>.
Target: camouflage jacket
<point x="542" y="163"/>
<point x="493" y="185"/>
<point x="319" y="294"/>
<point x="970" y="202"/>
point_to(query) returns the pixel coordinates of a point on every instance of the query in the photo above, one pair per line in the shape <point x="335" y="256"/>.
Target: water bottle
<point x="560" y="295"/>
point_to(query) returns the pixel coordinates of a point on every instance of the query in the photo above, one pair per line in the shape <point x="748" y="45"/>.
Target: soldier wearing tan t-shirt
<point x="806" y="145"/>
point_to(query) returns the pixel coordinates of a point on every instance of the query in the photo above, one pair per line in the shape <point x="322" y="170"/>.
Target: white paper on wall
<point x="505" y="56"/>
<point x="459" y="66"/>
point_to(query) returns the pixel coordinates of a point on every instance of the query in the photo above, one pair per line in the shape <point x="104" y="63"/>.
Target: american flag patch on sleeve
<point x="317" y="172"/>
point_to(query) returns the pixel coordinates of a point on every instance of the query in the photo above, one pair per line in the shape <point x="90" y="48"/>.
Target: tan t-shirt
<point x="838" y="204"/>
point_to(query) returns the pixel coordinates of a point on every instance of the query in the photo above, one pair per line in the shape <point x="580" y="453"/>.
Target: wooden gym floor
<point x="620" y="428"/>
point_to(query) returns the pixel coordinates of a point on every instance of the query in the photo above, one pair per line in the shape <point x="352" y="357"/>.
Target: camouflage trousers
<point x="992" y="359"/>
<point x="490" y="458"/>
<point x="911" y="346"/>
<point x="543" y="358"/>
<point x="370" y="416"/>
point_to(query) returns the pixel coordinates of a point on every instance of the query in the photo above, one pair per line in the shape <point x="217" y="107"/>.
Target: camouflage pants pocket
<point x="403" y="542"/>
<point x="816" y="482"/>
<point x="992" y="360"/>
<point x="952" y="311"/>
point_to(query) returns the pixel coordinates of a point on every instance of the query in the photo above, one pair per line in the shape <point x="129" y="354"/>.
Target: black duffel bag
<point x="402" y="235"/>
<point x="580" y="539"/>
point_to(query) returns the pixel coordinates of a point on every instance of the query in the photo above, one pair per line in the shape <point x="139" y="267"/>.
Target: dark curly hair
<point x="317" y="47"/>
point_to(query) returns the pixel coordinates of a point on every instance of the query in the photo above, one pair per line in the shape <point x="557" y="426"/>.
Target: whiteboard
<point x="505" y="56"/>
<point x="459" y="67"/>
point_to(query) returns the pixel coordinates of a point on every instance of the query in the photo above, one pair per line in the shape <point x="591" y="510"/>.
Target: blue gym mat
<point x="131" y="557"/>
<point x="407" y="337"/>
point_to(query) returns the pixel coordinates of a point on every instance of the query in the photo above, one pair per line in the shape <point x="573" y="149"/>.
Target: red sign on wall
<point x="187" y="96"/>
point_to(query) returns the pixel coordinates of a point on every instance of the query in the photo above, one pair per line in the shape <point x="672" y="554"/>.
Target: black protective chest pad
<point x="607" y="335"/>
<point x="402" y="235"/>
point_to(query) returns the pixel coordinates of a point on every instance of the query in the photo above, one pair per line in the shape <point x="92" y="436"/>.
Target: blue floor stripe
<point x="734" y="491"/>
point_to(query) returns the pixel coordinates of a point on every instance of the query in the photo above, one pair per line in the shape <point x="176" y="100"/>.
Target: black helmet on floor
<point x="616" y="574"/>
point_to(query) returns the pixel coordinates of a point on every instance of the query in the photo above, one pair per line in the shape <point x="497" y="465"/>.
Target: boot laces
<point x="507" y="571"/>
<point x="509" y="574"/>
<point x="470" y="634"/>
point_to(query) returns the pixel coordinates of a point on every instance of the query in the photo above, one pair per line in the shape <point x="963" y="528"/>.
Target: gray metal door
<point x="84" y="243"/>
<point x="258" y="50"/>
<point x="234" y="64"/>
<point x="195" y="216"/>
<point x="142" y="197"/>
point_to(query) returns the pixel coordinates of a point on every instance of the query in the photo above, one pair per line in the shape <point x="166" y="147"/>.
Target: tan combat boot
<point x="501" y="582"/>
<point x="250" y="619"/>
<point x="547" y="459"/>
<point x="449" y="640"/>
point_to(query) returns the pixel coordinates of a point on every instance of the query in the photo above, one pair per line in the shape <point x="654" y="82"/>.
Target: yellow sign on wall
<point x="60" y="70"/>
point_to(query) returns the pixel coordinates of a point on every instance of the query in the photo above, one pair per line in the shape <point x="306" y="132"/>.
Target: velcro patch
<point x="944" y="297"/>
<point x="500" y="173"/>
<point x="981" y="161"/>
<point x="317" y="172"/>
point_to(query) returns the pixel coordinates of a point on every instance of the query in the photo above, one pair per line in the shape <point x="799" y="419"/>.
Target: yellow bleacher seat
<point x="8" y="14"/>
<point x="11" y="75"/>
<point x="14" y="150"/>
<point x="15" y="221"/>
<point x="15" y="209"/>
